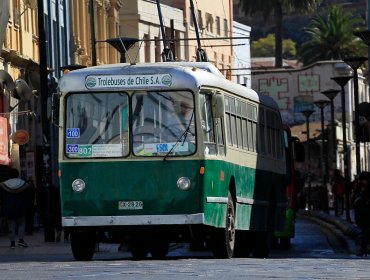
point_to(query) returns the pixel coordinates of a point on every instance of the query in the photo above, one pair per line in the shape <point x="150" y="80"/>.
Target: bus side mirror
<point x="299" y="154"/>
<point x="218" y="106"/>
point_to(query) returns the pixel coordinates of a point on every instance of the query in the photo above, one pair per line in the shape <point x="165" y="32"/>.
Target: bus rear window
<point x="96" y="125"/>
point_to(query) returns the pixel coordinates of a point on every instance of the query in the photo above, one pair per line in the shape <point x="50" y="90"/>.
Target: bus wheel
<point x="138" y="249"/>
<point x="83" y="246"/>
<point x="159" y="249"/>
<point x="223" y="240"/>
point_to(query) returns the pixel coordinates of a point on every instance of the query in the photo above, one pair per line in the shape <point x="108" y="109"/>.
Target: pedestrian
<point x="14" y="198"/>
<point x="362" y="210"/>
<point x="338" y="192"/>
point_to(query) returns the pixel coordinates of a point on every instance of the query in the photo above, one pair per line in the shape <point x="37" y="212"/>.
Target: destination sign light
<point x="128" y="81"/>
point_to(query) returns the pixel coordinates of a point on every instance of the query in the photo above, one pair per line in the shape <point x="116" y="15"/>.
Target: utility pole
<point x="93" y="39"/>
<point x="368" y="46"/>
<point x="45" y="180"/>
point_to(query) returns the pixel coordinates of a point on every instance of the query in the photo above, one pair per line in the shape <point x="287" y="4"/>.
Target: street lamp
<point x="321" y="104"/>
<point x="122" y="45"/>
<point x="331" y="94"/>
<point x="355" y="62"/>
<point x="307" y="113"/>
<point x="342" y="81"/>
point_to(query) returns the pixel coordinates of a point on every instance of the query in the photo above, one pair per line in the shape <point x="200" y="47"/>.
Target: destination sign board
<point x="128" y="81"/>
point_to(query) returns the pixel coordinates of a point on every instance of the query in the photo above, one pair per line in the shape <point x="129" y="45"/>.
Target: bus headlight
<point x="78" y="185"/>
<point x="183" y="183"/>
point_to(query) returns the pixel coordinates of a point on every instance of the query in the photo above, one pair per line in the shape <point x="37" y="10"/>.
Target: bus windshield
<point x="97" y="124"/>
<point x="163" y="123"/>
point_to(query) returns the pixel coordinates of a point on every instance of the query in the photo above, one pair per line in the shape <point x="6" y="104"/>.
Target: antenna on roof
<point x="201" y="54"/>
<point x="167" y="54"/>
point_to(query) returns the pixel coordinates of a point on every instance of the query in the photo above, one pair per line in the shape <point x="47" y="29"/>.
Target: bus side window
<point x="207" y="124"/>
<point x="220" y="136"/>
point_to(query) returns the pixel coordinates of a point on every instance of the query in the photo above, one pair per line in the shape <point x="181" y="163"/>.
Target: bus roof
<point x="183" y="75"/>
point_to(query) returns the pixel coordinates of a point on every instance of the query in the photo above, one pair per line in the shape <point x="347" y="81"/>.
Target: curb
<point x="347" y="233"/>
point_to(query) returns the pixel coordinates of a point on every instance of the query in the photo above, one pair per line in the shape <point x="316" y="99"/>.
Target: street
<point x="314" y="255"/>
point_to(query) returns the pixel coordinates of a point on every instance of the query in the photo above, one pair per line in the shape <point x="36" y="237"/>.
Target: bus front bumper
<point x="138" y="220"/>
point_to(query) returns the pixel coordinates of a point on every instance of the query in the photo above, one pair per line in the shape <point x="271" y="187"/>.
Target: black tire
<point x="223" y="240"/>
<point x="83" y="246"/>
<point x="139" y="250"/>
<point x="159" y="250"/>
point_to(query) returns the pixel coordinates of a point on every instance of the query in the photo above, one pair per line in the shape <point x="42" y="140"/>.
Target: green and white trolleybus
<point x="153" y="154"/>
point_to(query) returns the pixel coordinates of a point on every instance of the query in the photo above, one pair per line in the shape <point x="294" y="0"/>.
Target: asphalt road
<point x="315" y="254"/>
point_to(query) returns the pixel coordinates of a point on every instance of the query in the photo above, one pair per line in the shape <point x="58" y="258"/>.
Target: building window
<point x="200" y="19"/>
<point x="34" y="23"/>
<point x="16" y="13"/>
<point x="218" y="26"/>
<point x="191" y="18"/>
<point x="209" y="22"/>
<point x="226" y="29"/>
<point x="26" y="20"/>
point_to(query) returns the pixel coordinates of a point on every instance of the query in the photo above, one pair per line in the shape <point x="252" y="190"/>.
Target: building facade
<point x="89" y="31"/>
<point x="296" y="89"/>
<point x="20" y="58"/>
<point x="140" y="20"/>
<point x="215" y="22"/>
<point x="18" y="114"/>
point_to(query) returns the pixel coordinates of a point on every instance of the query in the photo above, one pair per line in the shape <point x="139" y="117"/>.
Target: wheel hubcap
<point x="231" y="224"/>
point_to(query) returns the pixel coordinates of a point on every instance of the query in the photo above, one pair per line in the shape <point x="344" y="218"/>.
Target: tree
<point x="265" y="47"/>
<point x="277" y="7"/>
<point x="331" y="37"/>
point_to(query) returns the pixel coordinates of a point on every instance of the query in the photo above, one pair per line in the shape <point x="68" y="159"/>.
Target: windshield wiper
<point x="184" y="134"/>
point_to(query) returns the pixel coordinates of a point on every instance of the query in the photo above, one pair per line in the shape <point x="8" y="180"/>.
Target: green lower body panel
<point x="136" y="193"/>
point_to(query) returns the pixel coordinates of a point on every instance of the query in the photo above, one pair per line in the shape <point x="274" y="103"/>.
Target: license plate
<point x="130" y="205"/>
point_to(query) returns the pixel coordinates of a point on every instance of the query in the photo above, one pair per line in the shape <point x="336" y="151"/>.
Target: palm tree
<point x="277" y="7"/>
<point x="331" y="37"/>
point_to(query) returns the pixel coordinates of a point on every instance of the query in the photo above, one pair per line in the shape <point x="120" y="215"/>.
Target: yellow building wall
<point x="106" y="27"/>
<point x="20" y="58"/>
<point x="220" y="52"/>
<point x="21" y="35"/>
<point x="20" y="53"/>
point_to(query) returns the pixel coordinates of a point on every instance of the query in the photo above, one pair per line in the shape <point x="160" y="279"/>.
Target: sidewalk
<point x="36" y="243"/>
<point x="38" y="246"/>
<point x="347" y="232"/>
